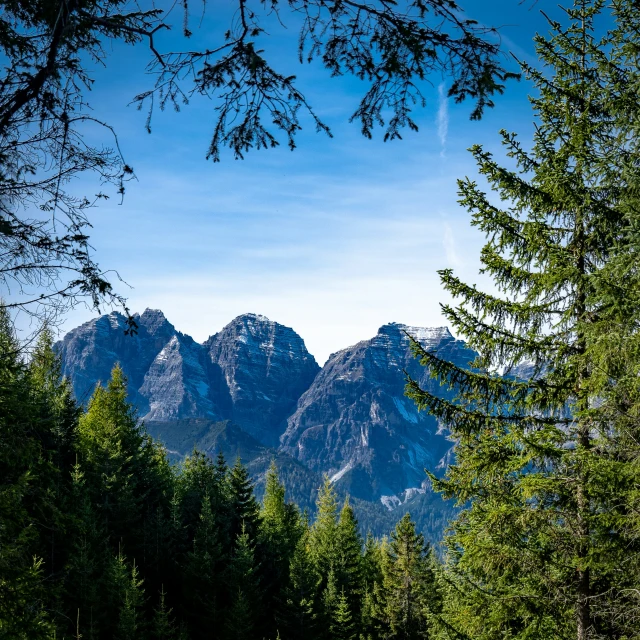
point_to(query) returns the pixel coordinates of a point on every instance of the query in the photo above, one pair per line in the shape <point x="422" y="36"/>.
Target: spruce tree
<point x="163" y="626"/>
<point x="243" y="504"/>
<point x="126" y="472"/>
<point x="88" y="563"/>
<point x="204" y="597"/>
<point x="536" y="551"/>
<point x="243" y="619"/>
<point x="349" y="557"/>
<point x="129" y="597"/>
<point x="27" y="502"/>
<point x="407" y="593"/>
<point x="297" y="614"/>
<point x="343" y="626"/>
<point x="54" y="417"/>
<point x="278" y="535"/>
<point x="323" y="540"/>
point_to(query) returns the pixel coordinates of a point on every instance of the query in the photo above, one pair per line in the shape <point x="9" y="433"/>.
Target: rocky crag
<point x="254" y="390"/>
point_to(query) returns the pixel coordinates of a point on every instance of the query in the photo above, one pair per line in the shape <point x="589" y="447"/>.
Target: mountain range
<point x="254" y="390"/>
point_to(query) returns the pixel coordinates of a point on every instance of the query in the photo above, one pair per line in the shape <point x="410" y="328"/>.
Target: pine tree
<point x="349" y="557"/>
<point x="129" y="597"/>
<point x="323" y="540"/>
<point x="163" y="627"/>
<point x="408" y="587"/>
<point x="26" y="503"/>
<point x="244" y="615"/>
<point x="278" y="536"/>
<point x="372" y="576"/>
<point x="343" y="626"/>
<point x="537" y="551"/>
<point x="244" y="507"/>
<point x="55" y="419"/>
<point x="204" y="599"/>
<point x="126" y="472"/>
<point x="87" y="564"/>
<point x="240" y="623"/>
<point x="297" y="615"/>
<point x="329" y="606"/>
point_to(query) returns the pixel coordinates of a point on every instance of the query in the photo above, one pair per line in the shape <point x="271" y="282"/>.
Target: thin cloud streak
<point x="449" y="246"/>
<point x="442" y="119"/>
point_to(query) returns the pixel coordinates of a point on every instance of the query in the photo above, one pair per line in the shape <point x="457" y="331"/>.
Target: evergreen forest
<point x="102" y="537"/>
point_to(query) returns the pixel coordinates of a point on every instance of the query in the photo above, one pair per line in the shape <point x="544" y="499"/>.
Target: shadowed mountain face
<point x="355" y="424"/>
<point x="349" y="420"/>
<point x="251" y="372"/>
<point x="266" y="367"/>
<point x="90" y="351"/>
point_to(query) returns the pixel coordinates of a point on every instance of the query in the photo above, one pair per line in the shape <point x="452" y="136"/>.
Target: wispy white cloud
<point x="442" y="119"/>
<point x="449" y="245"/>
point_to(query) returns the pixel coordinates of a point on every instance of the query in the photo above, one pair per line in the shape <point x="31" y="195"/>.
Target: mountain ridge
<point x="348" y="419"/>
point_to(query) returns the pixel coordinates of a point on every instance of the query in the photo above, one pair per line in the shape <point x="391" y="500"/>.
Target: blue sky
<point x="334" y="239"/>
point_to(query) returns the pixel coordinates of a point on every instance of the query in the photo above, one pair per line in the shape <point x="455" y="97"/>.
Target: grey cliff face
<point x="349" y="420"/>
<point x="266" y="367"/>
<point x="251" y="372"/>
<point x="355" y="424"/>
<point x="90" y="351"/>
<point x="180" y="383"/>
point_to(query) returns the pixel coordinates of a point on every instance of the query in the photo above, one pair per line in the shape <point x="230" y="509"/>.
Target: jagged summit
<point x="355" y="424"/>
<point x="252" y="371"/>
<point x="266" y="367"/>
<point x="349" y="419"/>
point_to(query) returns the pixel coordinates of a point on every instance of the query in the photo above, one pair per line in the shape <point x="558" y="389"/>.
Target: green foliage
<point x="244" y="506"/>
<point x="297" y="617"/>
<point x="407" y="596"/>
<point x="130" y="599"/>
<point x="349" y="563"/>
<point x="103" y="539"/>
<point x="163" y="627"/>
<point x="324" y="533"/>
<point x="343" y="626"/>
<point x="541" y="467"/>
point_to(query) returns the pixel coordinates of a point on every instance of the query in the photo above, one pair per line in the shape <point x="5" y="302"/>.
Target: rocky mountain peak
<point x="349" y="419"/>
<point x="266" y="367"/>
<point x="355" y="424"/>
<point x="155" y="322"/>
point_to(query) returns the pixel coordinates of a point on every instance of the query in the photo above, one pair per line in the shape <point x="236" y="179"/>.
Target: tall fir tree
<point x="343" y="626"/>
<point x="31" y="521"/>
<point x="55" y="418"/>
<point x="408" y="592"/>
<point x="323" y="539"/>
<point x="125" y="470"/>
<point x="296" y="615"/>
<point x="349" y="566"/>
<point x="129" y="599"/>
<point x="245" y="510"/>
<point x="163" y="626"/>
<point x="204" y="598"/>
<point x="87" y="566"/>
<point x="280" y="529"/>
<point x="244" y="615"/>
<point x="536" y="550"/>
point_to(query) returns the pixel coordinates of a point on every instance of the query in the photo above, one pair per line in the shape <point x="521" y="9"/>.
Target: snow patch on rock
<point x="336" y="476"/>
